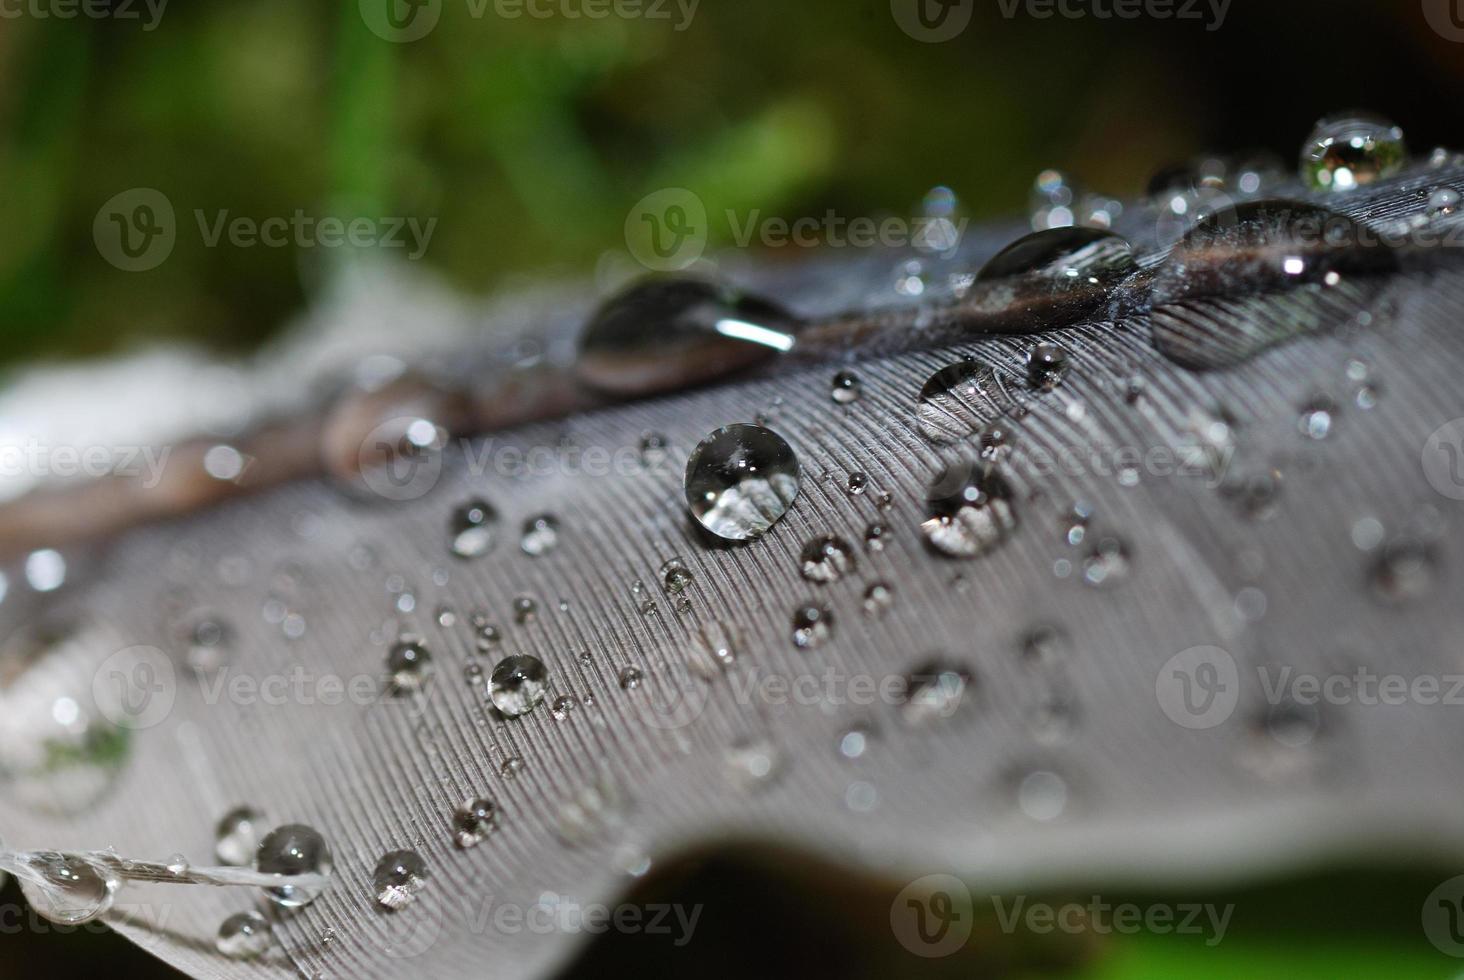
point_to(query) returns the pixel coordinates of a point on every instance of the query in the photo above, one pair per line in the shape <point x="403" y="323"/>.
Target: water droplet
<point x="740" y="480"/>
<point x="541" y="535"/>
<point x="630" y="678"/>
<point x="243" y="935"/>
<point x="933" y="691"/>
<point x="472" y="529"/>
<point x="1042" y="795"/>
<point x="753" y="763"/>
<point x="826" y="559"/>
<point x="1317" y="417"/>
<point x="488" y="636"/>
<point x="236" y="836"/>
<point x="473" y="674"/>
<point x="473" y="821"/>
<point x="854" y="742"/>
<point x="67" y="888"/>
<point x="969" y="510"/>
<point x="1351" y="150"/>
<point x="959" y="399"/>
<point x="1045" y="645"/>
<point x="1063" y="255"/>
<point x="1257" y="495"/>
<point x="398" y="877"/>
<point x="517" y="684"/>
<point x="812" y="625"/>
<point x="1106" y="564"/>
<point x="525" y="610"/>
<point x="1442" y="202"/>
<point x="409" y="665"/>
<point x="561" y="706"/>
<point x="664" y="334"/>
<point x="874" y="537"/>
<point x="208" y="644"/>
<point x="846" y="388"/>
<point x="879" y="599"/>
<point x="45" y="570"/>
<point x="654" y="448"/>
<point x="1046" y="366"/>
<point x="675" y="577"/>
<point x="857" y="484"/>
<point x="446" y="617"/>
<point x="1404" y="572"/>
<point x="293" y="849"/>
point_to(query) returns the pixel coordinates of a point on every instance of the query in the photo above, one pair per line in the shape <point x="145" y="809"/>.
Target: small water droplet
<point x="812" y="625"/>
<point x="473" y="674"/>
<point x="561" y="706"/>
<point x="1045" y="645"/>
<point x="846" y="388"/>
<point x="857" y="484"/>
<point x="517" y="684"/>
<point x="753" y="763"/>
<point x="654" y="447"/>
<point x="676" y="578"/>
<point x="969" y="510"/>
<point x="826" y="558"/>
<point x="1042" y="795"/>
<point x="68" y="888"/>
<point x="541" y="535"/>
<point x="934" y="691"/>
<point x="209" y="640"/>
<point x="293" y="849"/>
<point x="664" y="334"/>
<point x="1106" y="564"/>
<point x="1442" y="202"/>
<point x="854" y="742"/>
<point x="243" y="935"/>
<point x="1404" y="572"/>
<point x="398" y="877"/>
<point x="740" y="480"/>
<point x="472" y="529"/>
<point x="236" y="836"/>
<point x="630" y="678"/>
<point x="487" y="637"/>
<point x="1351" y="150"/>
<point x="525" y="610"/>
<point x="1317" y="417"/>
<point x="409" y="665"/>
<point x="446" y="617"/>
<point x="473" y="821"/>
<point x="879" y="599"/>
<point x="1046" y="366"/>
<point x="874" y="537"/>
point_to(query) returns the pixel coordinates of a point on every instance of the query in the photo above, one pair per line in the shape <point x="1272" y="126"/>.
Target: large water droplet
<point x="740" y="480"/>
<point x="517" y="684"/>
<point x="236" y="837"/>
<point x="67" y="888"/>
<point x="664" y="334"/>
<point x="970" y="510"/>
<point x="1351" y="150"/>
<point x="398" y="877"/>
<point x="827" y="558"/>
<point x="243" y="935"/>
<point x="473" y="529"/>
<point x="293" y="849"/>
<point x="472" y="821"/>
<point x="1063" y="255"/>
<point x="959" y="399"/>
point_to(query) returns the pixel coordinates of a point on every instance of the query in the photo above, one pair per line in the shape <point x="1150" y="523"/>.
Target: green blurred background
<point x="530" y="141"/>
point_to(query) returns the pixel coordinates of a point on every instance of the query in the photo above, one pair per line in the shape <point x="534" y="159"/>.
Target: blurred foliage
<point x="530" y="139"/>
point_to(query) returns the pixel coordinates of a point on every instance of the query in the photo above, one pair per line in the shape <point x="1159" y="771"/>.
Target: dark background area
<point x="530" y="142"/>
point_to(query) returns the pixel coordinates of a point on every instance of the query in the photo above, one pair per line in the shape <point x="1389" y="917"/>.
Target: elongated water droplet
<point x="472" y="821"/>
<point x="1063" y="255"/>
<point x="236" y="837"/>
<point x="243" y="935"/>
<point x="398" y="877"/>
<point x="827" y="558"/>
<point x="970" y="510"/>
<point x="959" y="399"/>
<point x="1351" y="150"/>
<point x="68" y="889"/>
<point x="740" y="481"/>
<point x="664" y="334"/>
<point x="293" y="849"/>
<point x="517" y="684"/>
<point x="473" y="529"/>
